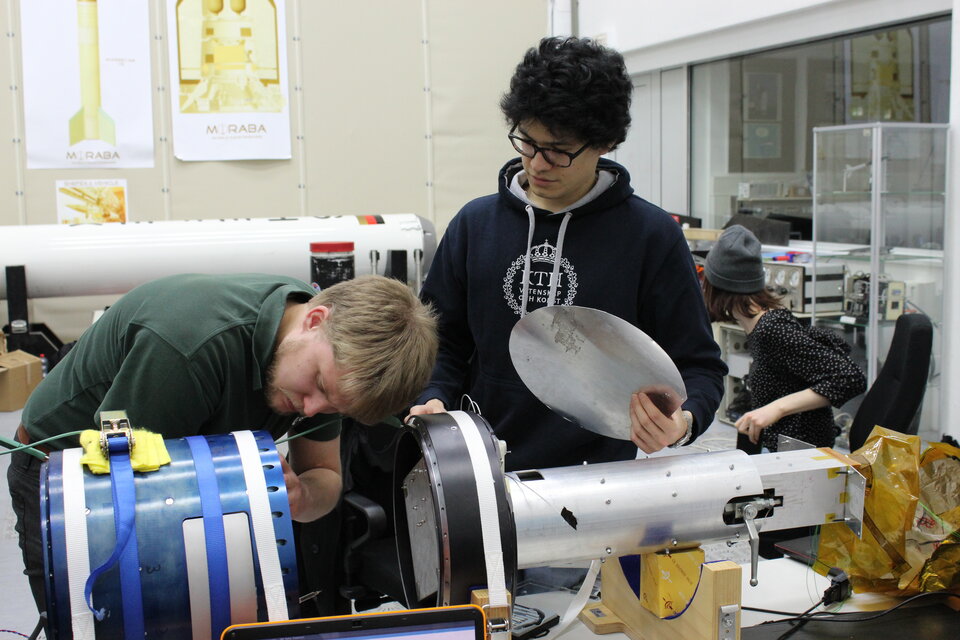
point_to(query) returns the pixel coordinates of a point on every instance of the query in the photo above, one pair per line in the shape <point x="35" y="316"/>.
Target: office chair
<point x="347" y="559"/>
<point x="894" y="398"/>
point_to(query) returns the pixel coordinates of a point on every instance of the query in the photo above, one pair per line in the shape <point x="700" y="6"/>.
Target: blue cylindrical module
<point x="175" y="582"/>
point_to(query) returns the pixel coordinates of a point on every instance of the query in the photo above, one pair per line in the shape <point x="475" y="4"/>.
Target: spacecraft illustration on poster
<point x="228" y="80"/>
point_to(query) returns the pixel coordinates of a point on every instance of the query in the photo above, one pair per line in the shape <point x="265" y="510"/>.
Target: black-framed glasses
<point x="556" y="157"/>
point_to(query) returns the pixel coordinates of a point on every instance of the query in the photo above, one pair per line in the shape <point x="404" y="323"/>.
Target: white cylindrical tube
<point x="93" y="259"/>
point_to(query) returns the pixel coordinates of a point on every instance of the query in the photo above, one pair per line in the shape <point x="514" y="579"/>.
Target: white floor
<point x="18" y="612"/>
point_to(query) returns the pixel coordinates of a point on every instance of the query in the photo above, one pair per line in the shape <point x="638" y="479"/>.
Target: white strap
<point x="578" y="602"/>
<point x="489" y="515"/>
<point x="265" y="538"/>
<point x="78" y="548"/>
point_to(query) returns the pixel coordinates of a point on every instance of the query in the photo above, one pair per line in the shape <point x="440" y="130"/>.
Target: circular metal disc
<point x="586" y="363"/>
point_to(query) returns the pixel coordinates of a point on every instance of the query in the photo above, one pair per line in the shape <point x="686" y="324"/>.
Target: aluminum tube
<point x="621" y="508"/>
<point x="93" y="259"/>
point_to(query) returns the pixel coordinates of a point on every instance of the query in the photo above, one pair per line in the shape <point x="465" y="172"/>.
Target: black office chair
<point x="348" y="559"/>
<point x="894" y="398"/>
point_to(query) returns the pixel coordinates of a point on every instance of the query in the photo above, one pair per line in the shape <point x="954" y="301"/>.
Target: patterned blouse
<point x="789" y="357"/>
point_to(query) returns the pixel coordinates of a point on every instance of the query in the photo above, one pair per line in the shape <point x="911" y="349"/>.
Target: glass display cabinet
<point x="879" y="205"/>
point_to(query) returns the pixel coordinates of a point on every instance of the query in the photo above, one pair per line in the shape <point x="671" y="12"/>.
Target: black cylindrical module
<point x="331" y="262"/>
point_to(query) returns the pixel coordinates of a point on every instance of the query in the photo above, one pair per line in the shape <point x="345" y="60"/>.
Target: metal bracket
<point x="114" y="424"/>
<point x="496" y="625"/>
<point x="727" y="622"/>
<point x="853" y="506"/>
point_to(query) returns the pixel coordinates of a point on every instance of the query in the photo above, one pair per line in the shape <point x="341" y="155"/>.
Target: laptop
<point x="464" y="622"/>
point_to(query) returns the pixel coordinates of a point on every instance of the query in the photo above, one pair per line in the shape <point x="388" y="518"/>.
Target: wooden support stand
<point x="481" y="598"/>
<point x="620" y="610"/>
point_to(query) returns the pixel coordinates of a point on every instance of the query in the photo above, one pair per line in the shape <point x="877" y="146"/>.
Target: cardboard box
<point x="20" y="373"/>
<point x="669" y="581"/>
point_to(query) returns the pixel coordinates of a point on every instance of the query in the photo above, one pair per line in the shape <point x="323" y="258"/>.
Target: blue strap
<point x="216" y="543"/>
<point x="124" y="522"/>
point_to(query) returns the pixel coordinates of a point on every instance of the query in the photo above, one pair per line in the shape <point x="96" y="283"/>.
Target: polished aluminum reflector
<point x="585" y="364"/>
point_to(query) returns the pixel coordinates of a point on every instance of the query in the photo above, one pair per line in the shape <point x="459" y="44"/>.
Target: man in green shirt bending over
<point x="202" y="354"/>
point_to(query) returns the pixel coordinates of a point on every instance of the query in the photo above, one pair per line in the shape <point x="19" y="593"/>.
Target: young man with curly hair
<point x="565" y="228"/>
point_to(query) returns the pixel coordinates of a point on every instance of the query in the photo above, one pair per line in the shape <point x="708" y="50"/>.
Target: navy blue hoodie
<point x="618" y="253"/>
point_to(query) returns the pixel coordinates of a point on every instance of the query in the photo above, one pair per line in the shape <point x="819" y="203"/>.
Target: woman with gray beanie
<point x="797" y="371"/>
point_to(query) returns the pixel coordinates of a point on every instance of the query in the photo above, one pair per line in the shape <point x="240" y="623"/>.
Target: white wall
<point x="656" y="35"/>
<point x="398" y="111"/>
<point x="631" y="25"/>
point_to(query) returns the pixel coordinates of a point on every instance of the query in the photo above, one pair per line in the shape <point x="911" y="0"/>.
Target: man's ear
<point x="315" y="317"/>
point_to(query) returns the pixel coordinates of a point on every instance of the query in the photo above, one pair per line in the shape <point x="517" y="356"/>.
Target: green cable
<point x="13" y="445"/>
<point x="310" y="430"/>
<point x="393" y="421"/>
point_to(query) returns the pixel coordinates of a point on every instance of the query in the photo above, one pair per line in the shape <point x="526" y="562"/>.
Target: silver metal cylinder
<point x="620" y="508"/>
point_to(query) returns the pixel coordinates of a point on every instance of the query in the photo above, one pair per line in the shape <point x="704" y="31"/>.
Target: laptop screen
<point x="442" y="623"/>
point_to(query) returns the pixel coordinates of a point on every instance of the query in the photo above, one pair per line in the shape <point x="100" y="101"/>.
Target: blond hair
<point x="384" y="340"/>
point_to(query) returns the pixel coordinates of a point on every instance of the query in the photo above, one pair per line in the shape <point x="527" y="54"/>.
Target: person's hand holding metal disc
<point x="650" y="428"/>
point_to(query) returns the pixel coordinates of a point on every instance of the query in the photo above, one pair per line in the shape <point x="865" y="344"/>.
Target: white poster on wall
<point x="228" y="80"/>
<point x="91" y="201"/>
<point x="86" y="83"/>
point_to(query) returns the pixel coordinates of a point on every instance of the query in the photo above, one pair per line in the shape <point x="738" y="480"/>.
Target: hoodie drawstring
<point x="526" y="263"/>
<point x="555" y="276"/>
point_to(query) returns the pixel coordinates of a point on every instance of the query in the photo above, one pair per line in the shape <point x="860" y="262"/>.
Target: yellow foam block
<point x="149" y="451"/>
<point x="669" y="581"/>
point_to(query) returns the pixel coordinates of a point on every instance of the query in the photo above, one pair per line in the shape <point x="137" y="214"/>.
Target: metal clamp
<point x="749" y="511"/>
<point x="114" y="424"/>
<point x="498" y="625"/>
<point x="727" y="627"/>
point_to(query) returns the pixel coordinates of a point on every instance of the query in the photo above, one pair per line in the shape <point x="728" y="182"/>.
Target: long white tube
<point x="91" y="259"/>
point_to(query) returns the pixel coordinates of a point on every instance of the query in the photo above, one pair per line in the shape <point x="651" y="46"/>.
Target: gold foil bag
<point x="911" y="515"/>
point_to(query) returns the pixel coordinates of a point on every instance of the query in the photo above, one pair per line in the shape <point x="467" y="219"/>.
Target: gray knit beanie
<point x="734" y="263"/>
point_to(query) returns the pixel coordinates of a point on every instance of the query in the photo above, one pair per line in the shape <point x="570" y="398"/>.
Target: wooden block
<point x="481" y="598"/>
<point x="599" y="619"/>
<point x="621" y="611"/>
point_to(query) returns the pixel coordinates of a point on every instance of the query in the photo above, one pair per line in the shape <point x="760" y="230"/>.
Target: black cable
<point x="827" y="616"/>
<point x="838" y="591"/>
<point x="792" y="614"/>
<point x="804" y="614"/>
<point x="801" y="620"/>
<point x="41" y="623"/>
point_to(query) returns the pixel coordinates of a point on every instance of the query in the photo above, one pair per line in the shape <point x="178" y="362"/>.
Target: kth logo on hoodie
<point x="542" y="260"/>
